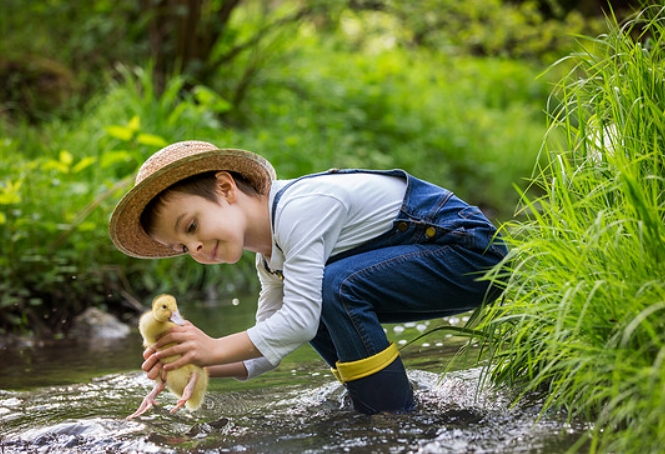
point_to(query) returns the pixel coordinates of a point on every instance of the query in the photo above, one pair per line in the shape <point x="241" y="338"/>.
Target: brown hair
<point x="202" y="185"/>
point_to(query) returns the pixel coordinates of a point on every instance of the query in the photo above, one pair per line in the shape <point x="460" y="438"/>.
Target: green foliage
<point x="321" y="100"/>
<point x="57" y="53"/>
<point x="470" y="124"/>
<point x="56" y="196"/>
<point x="496" y="28"/>
<point x="584" y="313"/>
<point x="443" y="121"/>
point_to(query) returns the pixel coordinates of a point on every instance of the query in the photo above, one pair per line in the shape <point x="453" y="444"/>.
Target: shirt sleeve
<point x="306" y="229"/>
<point x="257" y="366"/>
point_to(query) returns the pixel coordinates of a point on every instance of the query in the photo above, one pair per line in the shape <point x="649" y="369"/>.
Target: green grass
<point x="583" y="315"/>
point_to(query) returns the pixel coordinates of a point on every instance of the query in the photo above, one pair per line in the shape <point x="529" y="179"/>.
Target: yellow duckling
<point x="189" y="382"/>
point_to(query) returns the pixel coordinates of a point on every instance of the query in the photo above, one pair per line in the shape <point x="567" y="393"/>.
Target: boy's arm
<point x="233" y="370"/>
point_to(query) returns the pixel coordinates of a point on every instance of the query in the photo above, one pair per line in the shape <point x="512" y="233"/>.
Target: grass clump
<point x="583" y="318"/>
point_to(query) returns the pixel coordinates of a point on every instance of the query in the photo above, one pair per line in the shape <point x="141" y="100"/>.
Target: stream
<point x="73" y="396"/>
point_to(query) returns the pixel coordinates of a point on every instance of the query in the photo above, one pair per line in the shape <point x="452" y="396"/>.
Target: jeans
<point x="427" y="266"/>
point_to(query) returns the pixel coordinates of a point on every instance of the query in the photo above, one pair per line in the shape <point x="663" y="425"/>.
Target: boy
<point x="337" y="254"/>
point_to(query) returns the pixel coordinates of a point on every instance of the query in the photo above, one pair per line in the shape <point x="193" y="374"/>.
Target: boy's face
<point x="211" y="233"/>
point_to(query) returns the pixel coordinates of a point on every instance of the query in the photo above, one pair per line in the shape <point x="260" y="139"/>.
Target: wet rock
<point x="222" y="422"/>
<point x="97" y="324"/>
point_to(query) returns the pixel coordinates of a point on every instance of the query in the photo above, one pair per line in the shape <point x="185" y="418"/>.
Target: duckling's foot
<point x="148" y="401"/>
<point x="187" y="392"/>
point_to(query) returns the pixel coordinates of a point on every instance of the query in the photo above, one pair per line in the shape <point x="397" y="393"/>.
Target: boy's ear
<point x="226" y="185"/>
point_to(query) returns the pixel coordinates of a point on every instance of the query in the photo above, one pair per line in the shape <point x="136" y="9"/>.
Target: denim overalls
<point x="427" y="266"/>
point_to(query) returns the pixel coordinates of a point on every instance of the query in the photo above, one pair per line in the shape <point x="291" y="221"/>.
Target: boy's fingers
<point x="148" y="352"/>
<point x="155" y="372"/>
<point x="168" y="338"/>
<point x="152" y="362"/>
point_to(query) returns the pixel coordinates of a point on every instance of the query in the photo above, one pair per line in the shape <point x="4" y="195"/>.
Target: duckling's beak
<point x="176" y="318"/>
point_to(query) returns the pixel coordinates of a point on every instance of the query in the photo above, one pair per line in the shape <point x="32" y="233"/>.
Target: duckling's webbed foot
<point x="187" y="392"/>
<point x="149" y="400"/>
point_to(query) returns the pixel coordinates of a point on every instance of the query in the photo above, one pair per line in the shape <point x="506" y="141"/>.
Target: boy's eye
<point x="191" y="228"/>
<point x="184" y="249"/>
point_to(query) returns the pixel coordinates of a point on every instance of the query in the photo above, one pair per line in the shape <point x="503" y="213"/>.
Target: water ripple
<point x="453" y="417"/>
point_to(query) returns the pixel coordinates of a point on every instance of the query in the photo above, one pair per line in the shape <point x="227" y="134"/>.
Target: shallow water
<point x="73" y="398"/>
<point x="451" y="418"/>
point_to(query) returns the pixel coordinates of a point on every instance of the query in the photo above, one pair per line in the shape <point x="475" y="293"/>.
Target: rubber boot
<point x="378" y="383"/>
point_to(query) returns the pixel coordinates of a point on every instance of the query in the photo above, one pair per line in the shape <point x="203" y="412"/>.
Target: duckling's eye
<point x="163" y="306"/>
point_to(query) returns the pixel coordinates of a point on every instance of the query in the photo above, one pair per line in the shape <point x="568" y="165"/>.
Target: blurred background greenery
<point x="454" y="91"/>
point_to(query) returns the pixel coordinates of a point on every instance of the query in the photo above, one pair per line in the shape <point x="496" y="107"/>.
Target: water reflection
<point x="68" y="361"/>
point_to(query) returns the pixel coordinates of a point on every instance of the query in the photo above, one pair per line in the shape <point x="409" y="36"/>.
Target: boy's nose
<point x="195" y="247"/>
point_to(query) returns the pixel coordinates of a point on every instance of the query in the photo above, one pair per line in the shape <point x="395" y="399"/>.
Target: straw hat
<point x="166" y="167"/>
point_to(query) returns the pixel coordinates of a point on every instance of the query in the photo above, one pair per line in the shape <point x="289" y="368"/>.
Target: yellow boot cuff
<point x="336" y="374"/>
<point x="354" y="370"/>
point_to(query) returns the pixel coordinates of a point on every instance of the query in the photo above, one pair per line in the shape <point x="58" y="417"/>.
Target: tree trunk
<point x="183" y="34"/>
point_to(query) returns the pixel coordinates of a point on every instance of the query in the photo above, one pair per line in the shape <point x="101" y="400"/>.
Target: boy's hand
<point x="191" y="343"/>
<point x="152" y="365"/>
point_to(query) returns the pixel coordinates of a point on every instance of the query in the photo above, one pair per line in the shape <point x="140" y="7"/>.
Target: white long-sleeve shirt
<point x="315" y="218"/>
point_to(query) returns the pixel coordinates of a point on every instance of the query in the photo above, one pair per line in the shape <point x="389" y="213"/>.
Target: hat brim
<point x="125" y="226"/>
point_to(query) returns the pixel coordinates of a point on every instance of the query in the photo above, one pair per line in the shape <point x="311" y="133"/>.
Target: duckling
<point x="189" y="382"/>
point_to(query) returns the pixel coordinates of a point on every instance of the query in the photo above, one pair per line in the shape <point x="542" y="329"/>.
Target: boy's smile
<point x="209" y="232"/>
